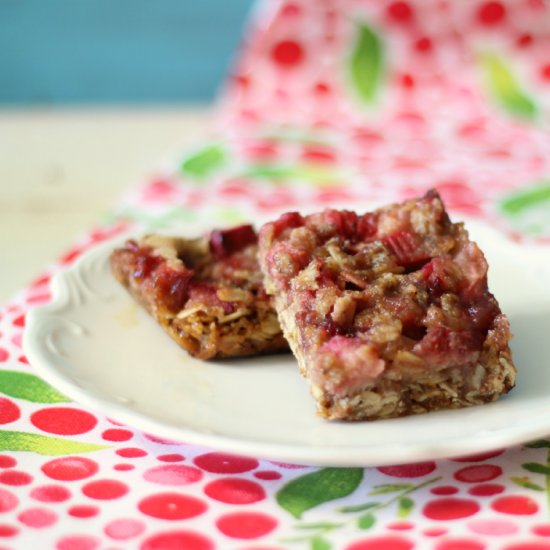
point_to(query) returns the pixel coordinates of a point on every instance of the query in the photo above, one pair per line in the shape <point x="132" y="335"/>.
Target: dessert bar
<point x="207" y="293"/>
<point x="388" y="313"/>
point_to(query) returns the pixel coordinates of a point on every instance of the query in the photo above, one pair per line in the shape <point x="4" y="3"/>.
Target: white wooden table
<point x="60" y="170"/>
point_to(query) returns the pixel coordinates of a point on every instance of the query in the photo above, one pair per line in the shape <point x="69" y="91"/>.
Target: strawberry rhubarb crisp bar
<point x="207" y="293"/>
<point x="388" y="313"/>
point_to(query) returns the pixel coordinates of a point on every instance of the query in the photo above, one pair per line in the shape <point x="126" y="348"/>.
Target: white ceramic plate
<point x="95" y="345"/>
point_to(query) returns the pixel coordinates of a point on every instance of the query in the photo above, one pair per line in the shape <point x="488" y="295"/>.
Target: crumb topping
<point x="207" y="293"/>
<point x="384" y="293"/>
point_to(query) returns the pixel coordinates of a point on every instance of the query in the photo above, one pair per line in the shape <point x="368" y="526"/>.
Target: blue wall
<point x="98" y="51"/>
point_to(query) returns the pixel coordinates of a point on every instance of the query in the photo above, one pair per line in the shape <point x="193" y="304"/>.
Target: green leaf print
<point x="320" y="543"/>
<point x="389" y="488"/>
<point x="366" y="63"/>
<point x="366" y="521"/>
<point x="536" y="468"/>
<point x="315" y="488"/>
<point x="526" y="483"/>
<point x="42" y="444"/>
<point x="526" y="199"/>
<point x="405" y="507"/>
<point x="358" y="507"/>
<point x="539" y="444"/>
<point x="204" y="162"/>
<point x="504" y="86"/>
<point x="302" y="172"/>
<point x="22" y="385"/>
<point x="310" y="490"/>
<point x="270" y="172"/>
<point x="325" y="525"/>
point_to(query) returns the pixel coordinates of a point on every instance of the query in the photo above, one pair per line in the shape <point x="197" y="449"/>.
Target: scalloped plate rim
<point x="354" y="455"/>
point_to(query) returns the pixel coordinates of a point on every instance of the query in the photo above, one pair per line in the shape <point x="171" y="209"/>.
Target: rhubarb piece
<point x="207" y="293"/>
<point x="388" y="313"/>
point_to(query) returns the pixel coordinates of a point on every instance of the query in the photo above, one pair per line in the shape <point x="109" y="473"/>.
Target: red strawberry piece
<point x="344" y="221"/>
<point x="290" y="220"/>
<point x="223" y="243"/>
<point x="366" y="226"/>
<point x="206" y="293"/>
<point x="442" y="346"/>
<point x="406" y="248"/>
<point x="145" y="262"/>
<point x="172" y="286"/>
<point x="482" y="312"/>
<point x="437" y="277"/>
